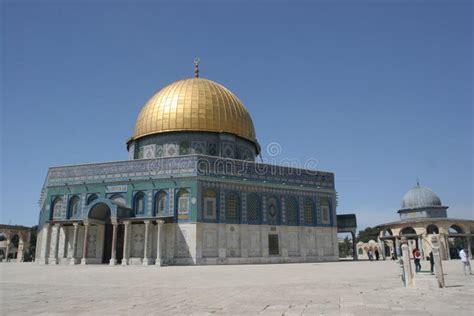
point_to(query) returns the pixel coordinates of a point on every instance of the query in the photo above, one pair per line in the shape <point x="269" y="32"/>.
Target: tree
<point x="345" y="248"/>
<point x="368" y="234"/>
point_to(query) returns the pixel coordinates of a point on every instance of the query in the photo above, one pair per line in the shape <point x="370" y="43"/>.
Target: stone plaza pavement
<point x="348" y="288"/>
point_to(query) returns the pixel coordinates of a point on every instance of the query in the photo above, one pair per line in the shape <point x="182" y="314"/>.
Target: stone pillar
<point x="407" y="269"/>
<point x="468" y="246"/>
<point x="438" y="264"/>
<point x="8" y="248"/>
<point x="397" y="247"/>
<point x="113" y="256"/>
<point x="145" y="246"/>
<point x="45" y="239"/>
<point x="125" y="243"/>
<point x="53" y="256"/>
<point x="448" y="253"/>
<point x="420" y="246"/>
<point x="354" y="247"/>
<point x="85" y="244"/>
<point x="159" y="242"/>
<point x="20" y="250"/>
<point x="74" y="244"/>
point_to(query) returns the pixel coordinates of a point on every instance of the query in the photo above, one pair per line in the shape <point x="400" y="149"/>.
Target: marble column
<point x="448" y="253"/>
<point x="113" y="256"/>
<point x="159" y="241"/>
<point x="468" y="246"/>
<point x="397" y="247"/>
<point x="354" y="247"/>
<point x="74" y="244"/>
<point x="125" y="242"/>
<point x="420" y="246"/>
<point x="45" y="240"/>
<point x="7" y="249"/>
<point x="85" y="244"/>
<point x="53" y="256"/>
<point x="20" y="251"/>
<point x="145" y="246"/>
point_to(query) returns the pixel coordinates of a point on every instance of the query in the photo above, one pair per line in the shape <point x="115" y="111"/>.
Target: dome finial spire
<point x="417" y="181"/>
<point x="196" y="67"/>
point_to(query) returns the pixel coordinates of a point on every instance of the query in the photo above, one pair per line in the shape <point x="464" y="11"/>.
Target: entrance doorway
<point x="107" y="243"/>
<point x="273" y="247"/>
<point x="100" y="213"/>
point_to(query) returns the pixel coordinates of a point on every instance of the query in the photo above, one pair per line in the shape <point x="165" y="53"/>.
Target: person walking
<point x="377" y="255"/>
<point x="431" y="258"/>
<point x="466" y="265"/>
<point x="417" y="256"/>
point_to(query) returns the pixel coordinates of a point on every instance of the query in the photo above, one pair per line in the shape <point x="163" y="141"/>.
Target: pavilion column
<point x="74" y="244"/>
<point x="354" y="247"/>
<point x="125" y="243"/>
<point x="448" y="253"/>
<point x="8" y="248"/>
<point x="113" y="259"/>
<point x="145" y="248"/>
<point x="159" y="241"/>
<point x="468" y="246"/>
<point x="45" y="240"/>
<point x="420" y="246"/>
<point x="53" y="256"/>
<point x="397" y="247"/>
<point x="19" y="253"/>
<point x="85" y="244"/>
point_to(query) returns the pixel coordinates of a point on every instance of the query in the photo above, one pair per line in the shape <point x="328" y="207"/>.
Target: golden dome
<point x="194" y="104"/>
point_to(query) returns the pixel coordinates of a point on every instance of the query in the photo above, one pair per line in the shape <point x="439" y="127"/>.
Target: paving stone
<point x="356" y="288"/>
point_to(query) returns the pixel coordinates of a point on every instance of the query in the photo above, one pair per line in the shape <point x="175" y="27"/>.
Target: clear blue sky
<point x="380" y="94"/>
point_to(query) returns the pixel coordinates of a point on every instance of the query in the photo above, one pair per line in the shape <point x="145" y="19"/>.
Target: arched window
<point x="309" y="214"/>
<point x="139" y="203"/>
<point x="254" y="207"/>
<point x="455" y="229"/>
<point x="57" y="208"/>
<point x="325" y="212"/>
<point x="209" y="204"/>
<point x="92" y="198"/>
<point x="161" y="202"/>
<point x="183" y="201"/>
<point x="74" y="207"/>
<point x="432" y="229"/>
<point x="232" y="208"/>
<point x="408" y="231"/>
<point x="292" y="211"/>
<point x="273" y="210"/>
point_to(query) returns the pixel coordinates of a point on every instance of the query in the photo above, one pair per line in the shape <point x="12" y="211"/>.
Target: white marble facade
<point x="195" y="243"/>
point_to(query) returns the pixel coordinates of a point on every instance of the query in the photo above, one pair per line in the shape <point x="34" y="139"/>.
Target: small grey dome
<point x="420" y="197"/>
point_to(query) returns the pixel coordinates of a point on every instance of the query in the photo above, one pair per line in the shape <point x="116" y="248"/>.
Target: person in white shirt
<point x="466" y="265"/>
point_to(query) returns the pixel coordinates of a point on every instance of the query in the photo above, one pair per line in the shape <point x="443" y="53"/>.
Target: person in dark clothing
<point x="432" y="262"/>
<point x="377" y="255"/>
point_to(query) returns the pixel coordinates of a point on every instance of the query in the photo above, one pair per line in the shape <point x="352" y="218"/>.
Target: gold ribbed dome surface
<point x="194" y="104"/>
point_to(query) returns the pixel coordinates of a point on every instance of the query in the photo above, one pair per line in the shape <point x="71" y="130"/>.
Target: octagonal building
<point x="190" y="193"/>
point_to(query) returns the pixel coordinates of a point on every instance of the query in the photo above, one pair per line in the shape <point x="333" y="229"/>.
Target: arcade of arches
<point x="422" y="215"/>
<point x="453" y="235"/>
<point x="15" y="242"/>
<point x="101" y="238"/>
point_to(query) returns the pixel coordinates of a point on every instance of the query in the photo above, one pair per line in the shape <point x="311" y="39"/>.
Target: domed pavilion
<point x="190" y="193"/>
<point x="422" y="215"/>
